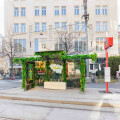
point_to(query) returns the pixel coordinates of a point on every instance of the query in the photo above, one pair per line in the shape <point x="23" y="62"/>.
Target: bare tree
<point x="9" y="48"/>
<point x="66" y="39"/>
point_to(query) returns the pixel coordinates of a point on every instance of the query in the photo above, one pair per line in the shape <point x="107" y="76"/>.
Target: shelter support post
<point x="47" y="70"/>
<point x="64" y="71"/>
<point x="34" y="81"/>
<point x="82" y="80"/>
<point x="24" y="75"/>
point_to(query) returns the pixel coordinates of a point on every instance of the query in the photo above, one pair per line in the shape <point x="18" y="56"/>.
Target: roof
<point x="50" y="54"/>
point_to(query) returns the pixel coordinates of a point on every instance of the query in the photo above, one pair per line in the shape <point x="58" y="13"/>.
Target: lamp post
<point x="86" y="17"/>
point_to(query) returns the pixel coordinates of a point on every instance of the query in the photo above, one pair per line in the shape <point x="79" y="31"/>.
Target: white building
<point x="1" y="42"/>
<point x="30" y="18"/>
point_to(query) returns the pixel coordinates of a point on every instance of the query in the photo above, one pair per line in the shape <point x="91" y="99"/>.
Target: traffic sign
<point x="108" y="42"/>
<point x="107" y="74"/>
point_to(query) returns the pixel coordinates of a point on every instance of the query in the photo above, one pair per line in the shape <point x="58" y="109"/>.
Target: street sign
<point x="107" y="74"/>
<point x="108" y="42"/>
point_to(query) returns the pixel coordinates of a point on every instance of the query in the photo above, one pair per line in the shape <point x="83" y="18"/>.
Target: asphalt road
<point x="10" y="110"/>
<point x="103" y="85"/>
<point x="21" y="110"/>
<point x="8" y="84"/>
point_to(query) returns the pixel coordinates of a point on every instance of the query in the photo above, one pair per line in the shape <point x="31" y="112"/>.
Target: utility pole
<point x="30" y="34"/>
<point x="86" y="17"/>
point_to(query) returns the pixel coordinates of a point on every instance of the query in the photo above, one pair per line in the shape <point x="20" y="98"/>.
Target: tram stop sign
<point x="108" y="42"/>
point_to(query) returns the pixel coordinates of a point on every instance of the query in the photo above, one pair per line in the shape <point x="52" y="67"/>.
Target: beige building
<point x="119" y="39"/>
<point x="36" y="24"/>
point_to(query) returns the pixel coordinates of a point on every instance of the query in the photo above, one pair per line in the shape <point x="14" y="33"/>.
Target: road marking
<point x="5" y="118"/>
<point x="96" y="104"/>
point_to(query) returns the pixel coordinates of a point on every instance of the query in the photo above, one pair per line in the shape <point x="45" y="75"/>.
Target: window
<point x="16" y="11"/>
<point x="76" y="26"/>
<point x="16" y="28"/>
<point x="76" y="46"/>
<point x="23" y="28"/>
<point x="97" y="26"/>
<point x="83" y="10"/>
<point x="36" y="42"/>
<point x="20" y="45"/>
<point x="76" y="10"/>
<point x="83" y="45"/>
<point x="83" y="27"/>
<point x="56" y="10"/>
<point x="96" y="66"/>
<point x="97" y="44"/>
<point x="91" y="66"/>
<point x="80" y="45"/>
<point x="43" y="45"/>
<point x="37" y="27"/>
<point x="104" y="26"/>
<point x="97" y="11"/>
<point x="63" y="11"/>
<point x="64" y="25"/>
<point x="36" y="11"/>
<point x="23" y="12"/>
<point x="43" y="27"/>
<point x="43" y="11"/>
<point x="104" y="10"/>
<point x="60" y="46"/>
<point x="56" y="25"/>
<point x="101" y="60"/>
<point x="100" y="44"/>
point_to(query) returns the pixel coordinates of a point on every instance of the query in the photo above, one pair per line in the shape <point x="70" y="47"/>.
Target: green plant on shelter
<point x="48" y="55"/>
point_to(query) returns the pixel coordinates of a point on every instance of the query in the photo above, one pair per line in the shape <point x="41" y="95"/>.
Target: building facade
<point x="37" y="25"/>
<point x="3" y="61"/>
<point x="118" y="39"/>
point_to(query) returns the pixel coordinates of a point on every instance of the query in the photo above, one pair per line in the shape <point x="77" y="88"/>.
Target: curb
<point x="62" y="102"/>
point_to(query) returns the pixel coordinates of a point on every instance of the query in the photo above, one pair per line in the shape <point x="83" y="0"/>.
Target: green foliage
<point x="25" y="60"/>
<point x="47" y="70"/>
<point x="64" y="71"/>
<point x="35" y="75"/>
<point x="82" y="80"/>
<point x="24" y="75"/>
<point x="63" y="56"/>
<point x="50" y="54"/>
<point x="114" y="63"/>
<point x="78" y="57"/>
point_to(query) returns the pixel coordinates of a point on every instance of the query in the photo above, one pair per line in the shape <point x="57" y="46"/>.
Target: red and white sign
<point x="107" y="74"/>
<point x="108" y="42"/>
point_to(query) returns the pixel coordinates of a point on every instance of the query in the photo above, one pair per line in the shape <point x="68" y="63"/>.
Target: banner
<point x="30" y="72"/>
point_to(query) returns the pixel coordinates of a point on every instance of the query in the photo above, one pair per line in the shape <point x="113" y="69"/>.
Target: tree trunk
<point x="12" y="70"/>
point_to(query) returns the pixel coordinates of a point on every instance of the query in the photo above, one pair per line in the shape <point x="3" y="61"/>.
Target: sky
<point x="2" y="15"/>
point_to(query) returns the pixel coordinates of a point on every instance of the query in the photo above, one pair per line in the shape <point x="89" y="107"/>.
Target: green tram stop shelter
<point x="58" y="60"/>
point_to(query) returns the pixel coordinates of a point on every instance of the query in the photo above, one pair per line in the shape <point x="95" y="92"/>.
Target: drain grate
<point x="103" y="91"/>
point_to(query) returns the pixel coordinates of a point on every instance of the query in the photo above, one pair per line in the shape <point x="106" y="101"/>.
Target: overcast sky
<point x="2" y="15"/>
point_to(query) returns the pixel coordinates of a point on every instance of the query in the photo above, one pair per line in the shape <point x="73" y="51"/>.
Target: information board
<point x="30" y="72"/>
<point x="107" y="74"/>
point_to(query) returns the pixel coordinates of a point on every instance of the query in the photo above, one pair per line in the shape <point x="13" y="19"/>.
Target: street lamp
<point x="86" y="17"/>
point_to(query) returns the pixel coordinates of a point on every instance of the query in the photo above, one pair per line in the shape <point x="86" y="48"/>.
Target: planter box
<point x="55" y="85"/>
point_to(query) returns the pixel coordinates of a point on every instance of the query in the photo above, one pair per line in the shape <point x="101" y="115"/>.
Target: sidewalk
<point x="92" y="96"/>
